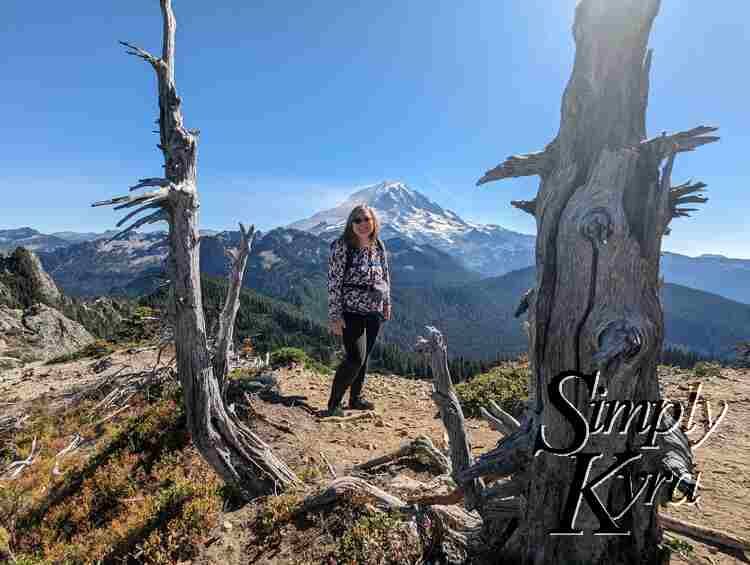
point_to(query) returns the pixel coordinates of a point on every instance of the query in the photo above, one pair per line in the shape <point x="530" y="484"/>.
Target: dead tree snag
<point x="237" y="455"/>
<point x="603" y="205"/>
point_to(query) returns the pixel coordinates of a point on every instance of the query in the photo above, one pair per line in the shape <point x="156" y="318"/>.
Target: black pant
<point x="360" y="331"/>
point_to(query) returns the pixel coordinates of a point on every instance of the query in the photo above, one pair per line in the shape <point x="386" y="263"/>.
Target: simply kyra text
<point x="654" y="419"/>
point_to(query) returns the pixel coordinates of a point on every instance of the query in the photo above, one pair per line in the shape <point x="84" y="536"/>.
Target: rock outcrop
<point x="26" y="281"/>
<point x="32" y="327"/>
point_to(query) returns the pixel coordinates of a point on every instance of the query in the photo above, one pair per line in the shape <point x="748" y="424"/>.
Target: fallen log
<point x="704" y="534"/>
<point x="348" y="488"/>
<point x="422" y="449"/>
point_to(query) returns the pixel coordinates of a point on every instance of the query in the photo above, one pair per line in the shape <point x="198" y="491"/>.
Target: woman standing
<point x="359" y="299"/>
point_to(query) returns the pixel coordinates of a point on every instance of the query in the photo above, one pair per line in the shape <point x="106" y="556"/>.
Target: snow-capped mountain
<point x="486" y="248"/>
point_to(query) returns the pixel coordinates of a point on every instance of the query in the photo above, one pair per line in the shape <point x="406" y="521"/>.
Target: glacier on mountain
<point x="486" y="248"/>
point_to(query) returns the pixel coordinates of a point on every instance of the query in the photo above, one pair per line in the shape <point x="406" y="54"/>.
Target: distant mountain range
<point x="717" y="274"/>
<point x="407" y="216"/>
<point x="440" y="266"/>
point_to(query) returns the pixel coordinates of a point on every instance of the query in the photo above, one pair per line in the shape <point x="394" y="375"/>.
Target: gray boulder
<point x="51" y="334"/>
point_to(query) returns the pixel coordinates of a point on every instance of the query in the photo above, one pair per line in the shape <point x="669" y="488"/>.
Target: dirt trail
<point x="724" y="461"/>
<point x="404" y="410"/>
<point x="408" y="411"/>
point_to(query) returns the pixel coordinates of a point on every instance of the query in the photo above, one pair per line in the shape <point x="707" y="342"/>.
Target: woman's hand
<point x="387" y="311"/>
<point x="337" y="327"/>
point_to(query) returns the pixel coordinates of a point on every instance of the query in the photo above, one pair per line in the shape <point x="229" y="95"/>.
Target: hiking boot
<point x="361" y="404"/>
<point x="331" y="412"/>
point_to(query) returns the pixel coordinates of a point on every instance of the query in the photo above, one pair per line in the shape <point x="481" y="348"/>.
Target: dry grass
<point x="137" y="491"/>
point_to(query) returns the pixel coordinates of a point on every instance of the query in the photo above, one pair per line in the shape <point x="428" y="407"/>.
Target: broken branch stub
<point x="450" y="410"/>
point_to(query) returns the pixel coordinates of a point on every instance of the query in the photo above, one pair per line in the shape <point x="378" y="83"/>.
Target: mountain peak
<point x="398" y="207"/>
<point x="393" y="199"/>
<point x="407" y="213"/>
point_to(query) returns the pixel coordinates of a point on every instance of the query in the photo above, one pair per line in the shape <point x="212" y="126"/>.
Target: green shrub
<point x="317" y="367"/>
<point x="287" y="356"/>
<point x="277" y="511"/>
<point x="678" y="546"/>
<point x="142" y="325"/>
<point x="506" y="385"/>
<point x="707" y="370"/>
<point x="378" y="537"/>
<point x="4" y="543"/>
<point x="243" y="374"/>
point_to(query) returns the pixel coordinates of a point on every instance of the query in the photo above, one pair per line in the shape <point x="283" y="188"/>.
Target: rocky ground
<point x="404" y="411"/>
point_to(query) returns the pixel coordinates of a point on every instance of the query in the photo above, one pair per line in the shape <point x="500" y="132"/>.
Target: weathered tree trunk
<point x="225" y="337"/>
<point x="602" y="209"/>
<point x="237" y="455"/>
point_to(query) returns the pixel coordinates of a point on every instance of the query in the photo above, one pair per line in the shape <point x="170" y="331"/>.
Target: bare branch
<point x="14" y="469"/>
<point x="160" y="216"/>
<point x="153" y="181"/>
<point x="142" y="53"/>
<point x="499" y="419"/>
<point x="129" y="201"/>
<point x="367" y="415"/>
<point x="453" y="497"/>
<point x="528" y="206"/>
<point x="685" y="194"/>
<point x="330" y="467"/>
<point x="255" y="414"/>
<point x="664" y="145"/>
<point x="519" y="166"/>
<point x="74" y="444"/>
<point x="152" y="204"/>
<point x="13" y="422"/>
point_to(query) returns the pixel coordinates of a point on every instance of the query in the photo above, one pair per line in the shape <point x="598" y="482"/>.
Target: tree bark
<point x="237" y="455"/>
<point x="602" y="208"/>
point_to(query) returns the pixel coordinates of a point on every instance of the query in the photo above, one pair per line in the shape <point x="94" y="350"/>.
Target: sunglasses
<point x="360" y="220"/>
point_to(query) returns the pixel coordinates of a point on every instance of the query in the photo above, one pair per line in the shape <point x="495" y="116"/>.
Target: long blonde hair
<point x="349" y="236"/>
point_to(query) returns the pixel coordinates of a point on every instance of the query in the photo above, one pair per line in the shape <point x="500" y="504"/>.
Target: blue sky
<point x="299" y="103"/>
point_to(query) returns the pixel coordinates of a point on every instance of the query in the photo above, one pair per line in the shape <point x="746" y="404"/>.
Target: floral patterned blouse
<point x="369" y="264"/>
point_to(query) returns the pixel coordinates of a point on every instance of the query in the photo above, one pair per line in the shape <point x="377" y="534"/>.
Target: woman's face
<point x="362" y="224"/>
